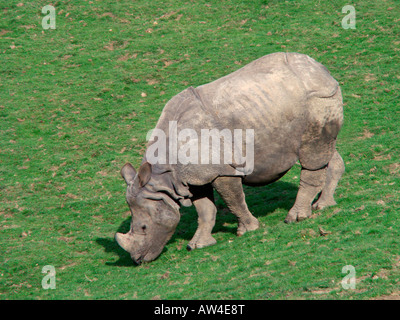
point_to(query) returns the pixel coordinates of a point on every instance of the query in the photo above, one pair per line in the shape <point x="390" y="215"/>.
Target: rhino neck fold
<point x="167" y="186"/>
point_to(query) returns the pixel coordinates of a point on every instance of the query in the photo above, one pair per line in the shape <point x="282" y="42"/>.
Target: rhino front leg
<point x="231" y="191"/>
<point x="207" y="211"/>
<point x="334" y="173"/>
<point x="311" y="183"/>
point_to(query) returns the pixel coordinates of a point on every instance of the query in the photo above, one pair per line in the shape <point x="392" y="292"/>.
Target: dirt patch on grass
<point x="392" y="296"/>
<point x="394" y="168"/>
<point x="366" y="135"/>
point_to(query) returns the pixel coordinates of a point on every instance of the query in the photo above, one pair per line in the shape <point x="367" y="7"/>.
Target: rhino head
<point x="155" y="215"/>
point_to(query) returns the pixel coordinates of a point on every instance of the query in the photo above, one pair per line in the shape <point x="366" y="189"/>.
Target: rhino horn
<point x="124" y="240"/>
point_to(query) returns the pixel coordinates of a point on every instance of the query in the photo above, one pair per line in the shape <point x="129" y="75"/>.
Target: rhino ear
<point x="128" y="172"/>
<point x="144" y="174"/>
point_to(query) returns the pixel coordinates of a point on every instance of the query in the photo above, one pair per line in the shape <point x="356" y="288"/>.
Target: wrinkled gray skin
<point x="295" y="108"/>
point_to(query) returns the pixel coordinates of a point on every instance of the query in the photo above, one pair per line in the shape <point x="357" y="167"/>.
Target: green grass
<point x="76" y="104"/>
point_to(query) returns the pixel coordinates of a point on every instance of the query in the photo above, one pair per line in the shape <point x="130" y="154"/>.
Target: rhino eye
<point x="144" y="227"/>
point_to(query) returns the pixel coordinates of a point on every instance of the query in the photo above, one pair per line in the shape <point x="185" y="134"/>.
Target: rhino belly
<point x="270" y="165"/>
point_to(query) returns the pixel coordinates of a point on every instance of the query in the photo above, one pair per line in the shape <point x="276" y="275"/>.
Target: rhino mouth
<point x="144" y="256"/>
<point x="139" y="259"/>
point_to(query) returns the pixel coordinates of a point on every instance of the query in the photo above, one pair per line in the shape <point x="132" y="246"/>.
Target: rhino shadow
<point x="261" y="201"/>
<point x="110" y="245"/>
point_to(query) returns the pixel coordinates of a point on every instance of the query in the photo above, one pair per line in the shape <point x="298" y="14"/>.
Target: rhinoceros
<point x="294" y="107"/>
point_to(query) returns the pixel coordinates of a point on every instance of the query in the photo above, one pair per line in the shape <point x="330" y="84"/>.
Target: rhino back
<point x="270" y="96"/>
<point x="267" y="91"/>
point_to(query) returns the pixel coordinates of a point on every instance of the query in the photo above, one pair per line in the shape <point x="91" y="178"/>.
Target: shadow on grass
<point x="261" y="201"/>
<point x="111" y="245"/>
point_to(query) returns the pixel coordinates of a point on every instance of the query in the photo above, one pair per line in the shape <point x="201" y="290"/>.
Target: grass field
<point x="76" y="103"/>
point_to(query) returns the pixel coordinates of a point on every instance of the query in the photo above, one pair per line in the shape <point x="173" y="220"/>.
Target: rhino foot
<point x="321" y="204"/>
<point x="295" y="214"/>
<point x="201" y="243"/>
<point x="249" y="225"/>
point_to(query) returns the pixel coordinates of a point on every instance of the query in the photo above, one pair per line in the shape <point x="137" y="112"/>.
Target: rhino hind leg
<point x="317" y="150"/>
<point x="311" y="183"/>
<point x="334" y="173"/>
<point x="231" y="191"/>
<point x="206" y="210"/>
